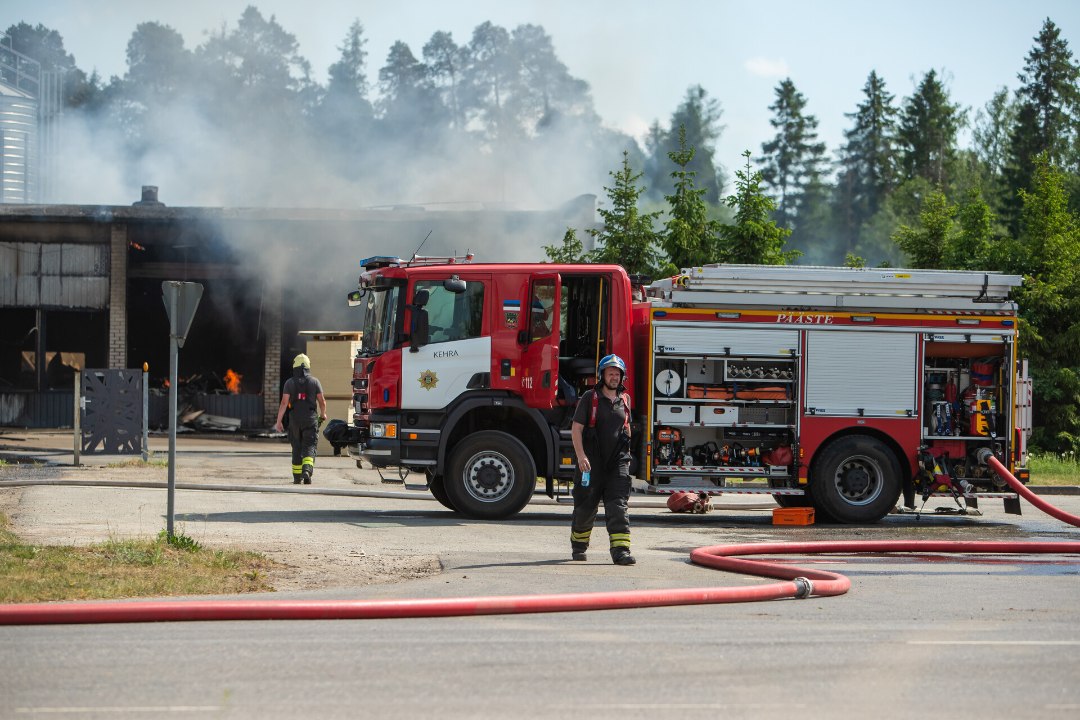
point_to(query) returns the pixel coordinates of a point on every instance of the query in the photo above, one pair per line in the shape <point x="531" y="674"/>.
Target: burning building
<point x="80" y="286"/>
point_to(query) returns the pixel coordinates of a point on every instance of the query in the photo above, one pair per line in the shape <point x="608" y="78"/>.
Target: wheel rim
<point x="489" y="476"/>
<point x="859" y="480"/>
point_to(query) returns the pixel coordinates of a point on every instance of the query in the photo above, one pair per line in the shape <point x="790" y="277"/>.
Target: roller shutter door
<point x="861" y="373"/>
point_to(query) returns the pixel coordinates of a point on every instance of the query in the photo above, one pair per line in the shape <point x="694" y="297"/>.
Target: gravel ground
<point x="312" y="555"/>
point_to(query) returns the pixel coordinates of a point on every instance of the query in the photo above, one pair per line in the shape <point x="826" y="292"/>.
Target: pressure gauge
<point x="668" y="382"/>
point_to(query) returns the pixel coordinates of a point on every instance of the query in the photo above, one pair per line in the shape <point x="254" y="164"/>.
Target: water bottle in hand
<point x="585" y="479"/>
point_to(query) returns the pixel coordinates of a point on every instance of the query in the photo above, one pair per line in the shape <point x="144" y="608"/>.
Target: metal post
<point x="173" y="360"/>
<point x="78" y="416"/>
<point x="41" y="379"/>
<point x="145" y="412"/>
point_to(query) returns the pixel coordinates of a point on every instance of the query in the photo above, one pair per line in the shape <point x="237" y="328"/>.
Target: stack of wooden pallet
<point x="332" y="354"/>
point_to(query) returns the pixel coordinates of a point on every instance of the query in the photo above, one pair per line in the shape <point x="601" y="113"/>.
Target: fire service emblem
<point x="428" y="380"/>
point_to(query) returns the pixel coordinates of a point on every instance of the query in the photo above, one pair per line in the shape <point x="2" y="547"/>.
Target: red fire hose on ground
<point x="795" y="583"/>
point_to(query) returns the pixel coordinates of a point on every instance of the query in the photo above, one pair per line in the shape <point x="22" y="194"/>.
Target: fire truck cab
<point x="838" y="388"/>
<point x="470" y="372"/>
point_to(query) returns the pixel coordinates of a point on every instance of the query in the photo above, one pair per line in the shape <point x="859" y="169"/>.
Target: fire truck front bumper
<point x="377" y="442"/>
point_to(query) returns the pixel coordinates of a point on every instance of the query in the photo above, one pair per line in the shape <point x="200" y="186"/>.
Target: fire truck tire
<point x="856" y="479"/>
<point x="491" y="475"/>
<point x="438" y="490"/>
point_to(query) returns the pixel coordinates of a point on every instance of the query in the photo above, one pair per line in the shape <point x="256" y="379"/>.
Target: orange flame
<point x="232" y="381"/>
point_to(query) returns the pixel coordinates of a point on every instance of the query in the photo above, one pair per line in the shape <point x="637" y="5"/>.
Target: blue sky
<point x="639" y="56"/>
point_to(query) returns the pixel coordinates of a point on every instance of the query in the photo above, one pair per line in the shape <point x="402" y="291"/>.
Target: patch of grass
<point x="156" y="567"/>
<point x="1054" y="469"/>
<point x="151" y="461"/>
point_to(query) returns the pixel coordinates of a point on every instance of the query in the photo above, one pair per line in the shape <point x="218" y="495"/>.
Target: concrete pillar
<point x="118" y="245"/>
<point x="272" y="377"/>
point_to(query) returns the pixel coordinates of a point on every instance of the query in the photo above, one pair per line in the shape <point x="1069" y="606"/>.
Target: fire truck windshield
<point x="381" y="319"/>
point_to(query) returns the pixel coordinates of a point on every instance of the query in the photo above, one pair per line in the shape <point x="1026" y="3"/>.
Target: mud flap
<point x="1012" y="506"/>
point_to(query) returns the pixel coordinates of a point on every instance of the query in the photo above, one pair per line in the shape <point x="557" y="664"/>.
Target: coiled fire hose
<point x="795" y="583"/>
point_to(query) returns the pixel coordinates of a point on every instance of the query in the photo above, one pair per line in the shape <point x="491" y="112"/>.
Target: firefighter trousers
<point x="304" y="439"/>
<point x="613" y="488"/>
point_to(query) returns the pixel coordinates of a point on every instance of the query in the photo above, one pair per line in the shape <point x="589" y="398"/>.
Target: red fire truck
<point x="838" y="388"/>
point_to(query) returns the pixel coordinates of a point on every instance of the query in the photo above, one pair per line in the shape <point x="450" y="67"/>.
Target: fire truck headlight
<point x="384" y="430"/>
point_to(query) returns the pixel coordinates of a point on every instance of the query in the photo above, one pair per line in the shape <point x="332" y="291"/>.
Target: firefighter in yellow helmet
<point x="303" y="397"/>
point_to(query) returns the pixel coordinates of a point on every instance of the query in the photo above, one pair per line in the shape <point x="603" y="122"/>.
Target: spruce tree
<point x="1048" y="114"/>
<point x="627" y="237"/>
<point x="868" y="161"/>
<point x="793" y="157"/>
<point x="690" y="237"/>
<point x="929" y="125"/>
<point x="754" y="236"/>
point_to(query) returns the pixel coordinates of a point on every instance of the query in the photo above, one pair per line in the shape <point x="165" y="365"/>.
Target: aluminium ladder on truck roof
<point x="795" y="286"/>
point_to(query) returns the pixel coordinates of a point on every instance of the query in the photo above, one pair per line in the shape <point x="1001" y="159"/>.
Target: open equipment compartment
<point x="720" y="415"/>
<point x="969" y="399"/>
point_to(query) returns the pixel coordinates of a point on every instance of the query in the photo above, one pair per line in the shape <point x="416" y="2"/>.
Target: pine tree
<point x="690" y="237"/>
<point x="444" y="61"/>
<point x="700" y="116"/>
<point x="754" y="237"/>
<point x="868" y="161"/>
<point x="929" y="124"/>
<point x="1047" y="116"/>
<point x="793" y="157"/>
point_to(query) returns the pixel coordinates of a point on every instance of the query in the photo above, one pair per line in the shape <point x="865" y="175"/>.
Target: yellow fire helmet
<point x="301" y="360"/>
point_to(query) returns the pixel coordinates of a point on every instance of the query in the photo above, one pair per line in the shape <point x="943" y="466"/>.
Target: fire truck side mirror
<point x="454" y="284"/>
<point x="355" y="297"/>
<point x="418" y="330"/>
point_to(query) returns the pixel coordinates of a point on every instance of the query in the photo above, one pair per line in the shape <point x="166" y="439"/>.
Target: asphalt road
<point x="917" y="636"/>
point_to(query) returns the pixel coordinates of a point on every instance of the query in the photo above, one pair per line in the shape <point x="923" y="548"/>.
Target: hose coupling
<point x="803" y="588"/>
<point x="983" y="455"/>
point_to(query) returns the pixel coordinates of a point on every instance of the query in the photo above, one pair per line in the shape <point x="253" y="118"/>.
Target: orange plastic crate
<point x="793" y="516"/>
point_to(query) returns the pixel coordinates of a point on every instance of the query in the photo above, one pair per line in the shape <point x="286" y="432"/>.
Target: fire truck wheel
<point x="438" y="490"/>
<point x="490" y="475"/>
<point x="856" y="479"/>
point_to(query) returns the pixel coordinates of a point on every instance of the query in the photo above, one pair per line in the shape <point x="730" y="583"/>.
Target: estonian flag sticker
<point x="511" y="306"/>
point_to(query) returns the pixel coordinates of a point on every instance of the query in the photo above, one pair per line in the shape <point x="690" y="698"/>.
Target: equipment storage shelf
<point x="718" y="418"/>
<point x="725" y="391"/>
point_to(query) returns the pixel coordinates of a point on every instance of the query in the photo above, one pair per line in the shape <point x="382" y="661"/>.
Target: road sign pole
<point x="181" y="300"/>
<point x="174" y="354"/>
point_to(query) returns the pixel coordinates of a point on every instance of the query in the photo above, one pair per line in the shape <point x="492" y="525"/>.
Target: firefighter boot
<point x="297" y="476"/>
<point x="307" y="472"/>
<point x="622" y="556"/>
<point x="577" y="551"/>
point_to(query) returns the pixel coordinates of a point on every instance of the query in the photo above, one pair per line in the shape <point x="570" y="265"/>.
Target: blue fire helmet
<point x="611" y="361"/>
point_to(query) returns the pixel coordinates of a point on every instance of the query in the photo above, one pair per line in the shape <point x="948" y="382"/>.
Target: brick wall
<point x="272" y="377"/>
<point x="118" y="296"/>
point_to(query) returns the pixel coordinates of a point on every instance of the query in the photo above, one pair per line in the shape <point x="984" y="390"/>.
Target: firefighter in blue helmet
<point x="303" y="397"/>
<point x="601" y="434"/>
